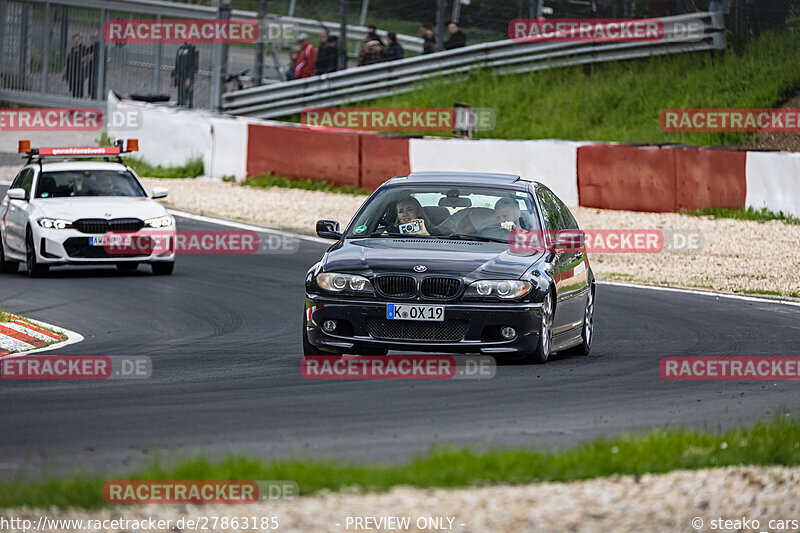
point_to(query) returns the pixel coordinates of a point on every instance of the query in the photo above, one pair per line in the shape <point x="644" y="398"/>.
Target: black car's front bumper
<point x="468" y="327"/>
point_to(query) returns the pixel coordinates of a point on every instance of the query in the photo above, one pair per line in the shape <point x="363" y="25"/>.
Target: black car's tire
<point x="9" y="267"/>
<point x="587" y="329"/>
<point x="545" y="343"/>
<point x="127" y="267"/>
<point x="163" y="269"/>
<point x="35" y="270"/>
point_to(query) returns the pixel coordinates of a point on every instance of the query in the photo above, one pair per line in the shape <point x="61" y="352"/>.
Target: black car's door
<point x="569" y="264"/>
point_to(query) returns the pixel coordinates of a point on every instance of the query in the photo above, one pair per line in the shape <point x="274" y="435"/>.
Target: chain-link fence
<point x="52" y="49"/>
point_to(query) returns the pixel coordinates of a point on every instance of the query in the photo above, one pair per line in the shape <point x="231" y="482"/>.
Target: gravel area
<point x="733" y="256"/>
<point x="667" y="503"/>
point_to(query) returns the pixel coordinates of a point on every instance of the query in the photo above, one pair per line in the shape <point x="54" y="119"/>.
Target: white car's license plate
<point x="433" y="313"/>
<point x="111" y="240"/>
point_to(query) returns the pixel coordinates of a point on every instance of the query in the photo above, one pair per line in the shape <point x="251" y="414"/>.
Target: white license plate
<point x="111" y="240"/>
<point x="431" y="313"/>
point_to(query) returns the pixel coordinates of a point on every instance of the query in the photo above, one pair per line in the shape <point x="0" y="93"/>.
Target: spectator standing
<point x="187" y="63"/>
<point x="93" y="65"/>
<point x="74" y="71"/>
<point x="293" y="53"/>
<point x="457" y="38"/>
<point x="328" y="53"/>
<point x="306" y="60"/>
<point x="372" y="35"/>
<point x="370" y="53"/>
<point x="394" y="50"/>
<point x="429" y="46"/>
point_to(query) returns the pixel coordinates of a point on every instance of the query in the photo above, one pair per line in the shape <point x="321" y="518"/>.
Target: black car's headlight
<point x="335" y="282"/>
<point x="498" y="288"/>
<point x="54" y="223"/>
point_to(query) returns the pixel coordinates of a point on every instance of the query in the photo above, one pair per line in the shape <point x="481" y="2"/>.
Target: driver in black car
<point x="509" y="215"/>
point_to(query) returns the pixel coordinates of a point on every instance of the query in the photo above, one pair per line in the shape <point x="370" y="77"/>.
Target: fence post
<point x="46" y="49"/>
<point x="3" y="22"/>
<point x="258" y="68"/>
<point x="440" y="7"/>
<point x="157" y="63"/>
<point x="101" y="57"/>
<point x="363" y="18"/>
<point x="342" y="63"/>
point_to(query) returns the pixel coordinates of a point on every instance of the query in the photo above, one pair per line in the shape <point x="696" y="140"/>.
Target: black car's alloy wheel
<point x="587" y="332"/>
<point x="545" y="343"/>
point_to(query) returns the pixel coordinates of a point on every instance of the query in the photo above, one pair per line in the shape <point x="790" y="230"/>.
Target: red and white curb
<point x="22" y="337"/>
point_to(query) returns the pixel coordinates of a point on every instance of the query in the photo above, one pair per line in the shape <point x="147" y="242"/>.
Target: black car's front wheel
<point x="545" y="343"/>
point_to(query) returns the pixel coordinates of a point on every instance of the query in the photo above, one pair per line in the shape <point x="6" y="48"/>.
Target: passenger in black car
<point x="409" y="210"/>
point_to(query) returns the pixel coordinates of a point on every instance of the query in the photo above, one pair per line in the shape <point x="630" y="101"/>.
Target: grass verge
<point x="269" y="180"/>
<point x="191" y="169"/>
<point x="776" y="442"/>
<point x="621" y="100"/>
<point x="743" y="214"/>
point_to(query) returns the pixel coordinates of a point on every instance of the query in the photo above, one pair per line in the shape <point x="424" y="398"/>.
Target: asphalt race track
<point x="224" y="336"/>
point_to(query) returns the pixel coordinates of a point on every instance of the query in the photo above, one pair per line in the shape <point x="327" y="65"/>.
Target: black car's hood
<point x="469" y="259"/>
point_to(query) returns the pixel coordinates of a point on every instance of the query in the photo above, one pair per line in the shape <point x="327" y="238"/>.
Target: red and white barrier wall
<point x="659" y="178"/>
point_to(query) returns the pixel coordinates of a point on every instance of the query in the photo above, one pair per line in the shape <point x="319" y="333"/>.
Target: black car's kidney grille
<point x="440" y="287"/>
<point x="400" y="286"/>
<point x="410" y="330"/>
<point x="80" y="248"/>
<point x="99" y="225"/>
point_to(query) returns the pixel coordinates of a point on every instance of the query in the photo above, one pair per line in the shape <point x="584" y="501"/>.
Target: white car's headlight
<point x="54" y="223"/>
<point x="160" y="222"/>
<point x="498" y="288"/>
<point x="334" y="282"/>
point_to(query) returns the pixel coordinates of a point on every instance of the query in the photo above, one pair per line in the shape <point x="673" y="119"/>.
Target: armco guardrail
<point x="396" y="77"/>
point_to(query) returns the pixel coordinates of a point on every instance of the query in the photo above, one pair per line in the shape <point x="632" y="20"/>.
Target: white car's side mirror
<point x="16" y="194"/>
<point x="160" y="192"/>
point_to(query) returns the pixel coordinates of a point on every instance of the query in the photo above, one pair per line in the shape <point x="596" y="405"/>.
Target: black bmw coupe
<point x="427" y="265"/>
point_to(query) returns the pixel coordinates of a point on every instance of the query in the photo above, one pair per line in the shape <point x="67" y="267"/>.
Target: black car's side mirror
<point x="328" y="229"/>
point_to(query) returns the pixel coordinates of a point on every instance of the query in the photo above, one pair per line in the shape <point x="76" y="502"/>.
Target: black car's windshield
<point x="463" y="212"/>
<point x="72" y="183"/>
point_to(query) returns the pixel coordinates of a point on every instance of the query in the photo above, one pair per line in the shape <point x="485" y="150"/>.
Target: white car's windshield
<point x="72" y="183"/>
<point x="455" y="212"/>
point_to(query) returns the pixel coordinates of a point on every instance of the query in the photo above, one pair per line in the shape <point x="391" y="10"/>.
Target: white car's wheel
<point x="35" y="270"/>
<point x="7" y="266"/>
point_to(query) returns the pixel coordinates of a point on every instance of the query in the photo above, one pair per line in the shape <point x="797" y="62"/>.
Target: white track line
<point x="248" y="227"/>
<point x="703" y="293"/>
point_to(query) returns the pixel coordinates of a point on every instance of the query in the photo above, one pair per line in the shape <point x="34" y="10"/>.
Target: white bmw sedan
<point x="68" y="213"/>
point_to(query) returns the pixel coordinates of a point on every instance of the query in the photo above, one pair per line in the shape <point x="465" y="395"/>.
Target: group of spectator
<point x="82" y="65"/>
<point x="307" y="61"/>
<point x="457" y="38"/>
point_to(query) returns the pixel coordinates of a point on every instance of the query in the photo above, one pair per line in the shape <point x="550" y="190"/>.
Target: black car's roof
<point x="461" y="178"/>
